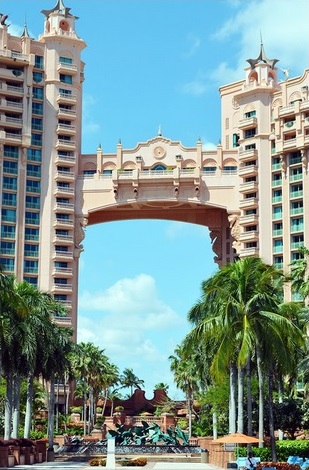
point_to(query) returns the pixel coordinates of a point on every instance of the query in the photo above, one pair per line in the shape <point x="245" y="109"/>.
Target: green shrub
<point x="136" y="462"/>
<point x="94" y="462"/>
<point x="119" y="408"/>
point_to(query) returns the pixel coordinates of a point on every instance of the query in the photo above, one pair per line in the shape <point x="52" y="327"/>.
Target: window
<point x="38" y="62"/>
<point x="297" y="207"/>
<point x="9" y="199"/>
<point x="8" y="231"/>
<point x="31" y="250"/>
<point x="37" y="108"/>
<point x="36" y="139"/>
<point x="32" y="202"/>
<point x="61" y="184"/>
<point x="31" y="280"/>
<point x="31" y="266"/>
<point x="62" y="216"/>
<point x="61" y="264"/>
<point x="62" y="233"/>
<point x="10" y="167"/>
<point x="34" y="155"/>
<point x="62" y="249"/>
<point x="8" y="264"/>
<point x="107" y="172"/>
<point x="36" y="124"/>
<point x="230" y="168"/>
<point x="297" y="224"/>
<point x="32" y="218"/>
<point x="33" y="170"/>
<point x="250" y="114"/>
<point x="31" y="233"/>
<point x="62" y="200"/>
<point x="65" y="60"/>
<point x="295" y="157"/>
<point x="235" y="140"/>
<point x="89" y="172"/>
<point x="297" y="255"/>
<point x="64" y="91"/>
<point x="278" y="245"/>
<point x="7" y="248"/>
<point x="249" y="133"/>
<point x="250" y="195"/>
<point x="9" y="183"/>
<point x="60" y="280"/>
<point x="277" y="212"/>
<point x="66" y="78"/>
<point x="60" y="297"/>
<point x="250" y="147"/>
<point x="250" y="228"/>
<point x="250" y="211"/>
<point x="296" y="190"/>
<point x="10" y="151"/>
<point x="8" y="215"/>
<point x="209" y="169"/>
<point x="38" y="93"/>
<point x="251" y="245"/>
<point x="33" y="186"/>
<point x="37" y="77"/>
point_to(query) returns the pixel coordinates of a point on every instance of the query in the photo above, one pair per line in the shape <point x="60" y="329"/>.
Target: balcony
<point x="289" y="143"/>
<point x="63" y="144"/>
<point x="278" y="232"/>
<point x="250" y="187"/>
<point x="247" y="123"/>
<point x="63" y="255"/>
<point x="278" y="249"/>
<point x="11" y="89"/>
<point x="294" y="194"/>
<point x="69" y="69"/>
<point x="297" y="245"/>
<point x="245" y="155"/>
<point x="67" y="288"/>
<point x="63" y="223"/>
<point x="248" y="203"/>
<point x="64" y="207"/>
<point x="11" y="105"/>
<point x="276" y="199"/>
<point x="62" y="271"/>
<point x="62" y="321"/>
<point x="287" y="110"/>
<point x="64" y="113"/>
<point x="296" y="210"/>
<point x="276" y="183"/>
<point x="14" y="57"/>
<point x="252" y="251"/>
<point x="296" y="177"/>
<point x="66" y="98"/>
<point x="64" y="176"/>
<point x="67" y="239"/>
<point x="252" y="235"/>
<point x="248" y="170"/>
<point x="249" y="219"/>
<point x="66" y="159"/>
<point x="61" y="191"/>
<point x="66" y="129"/>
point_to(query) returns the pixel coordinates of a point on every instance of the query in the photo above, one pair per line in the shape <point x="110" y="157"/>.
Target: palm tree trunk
<point x="29" y="400"/>
<point x="249" y="397"/>
<point x="16" y="411"/>
<point x="51" y="413"/>
<point x="261" y="394"/>
<point x="280" y="400"/>
<point x="85" y="410"/>
<point x="189" y="401"/>
<point x="232" y="408"/>
<point x="8" y="406"/>
<point x="240" y="408"/>
<point x="271" y="416"/>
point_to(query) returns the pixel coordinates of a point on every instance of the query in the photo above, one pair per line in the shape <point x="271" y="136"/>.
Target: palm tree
<point x="240" y="309"/>
<point x="129" y="380"/>
<point x="186" y="376"/>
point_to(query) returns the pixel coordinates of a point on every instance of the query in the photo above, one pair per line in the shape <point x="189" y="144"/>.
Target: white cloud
<point x="284" y="33"/>
<point x="89" y="125"/>
<point x="197" y="86"/>
<point x="132" y="325"/>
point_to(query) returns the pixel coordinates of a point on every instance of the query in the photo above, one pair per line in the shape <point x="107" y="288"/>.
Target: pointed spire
<point x="58" y="8"/>
<point x="262" y="58"/>
<point x="159" y="130"/>
<point x="25" y="33"/>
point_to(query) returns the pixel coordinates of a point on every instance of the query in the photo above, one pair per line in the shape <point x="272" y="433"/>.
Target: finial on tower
<point x="159" y="130"/>
<point x="262" y="58"/>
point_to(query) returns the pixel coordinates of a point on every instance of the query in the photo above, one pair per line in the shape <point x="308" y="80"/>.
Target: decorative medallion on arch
<point x="129" y="166"/>
<point x="159" y="152"/>
<point x="15" y="46"/>
<point x="89" y="169"/>
<point x="277" y="103"/>
<point x="235" y="103"/>
<point x="189" y="164"/>
<point x="295" y="97"/>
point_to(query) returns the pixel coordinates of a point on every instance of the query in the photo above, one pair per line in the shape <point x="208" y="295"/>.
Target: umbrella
<point x="238" y="438"/>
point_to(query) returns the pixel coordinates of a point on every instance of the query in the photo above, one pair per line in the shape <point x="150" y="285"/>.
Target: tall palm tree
<point x="186" y="376"/>
<point x="129" y="380"/>
<point x="240" y="308"/>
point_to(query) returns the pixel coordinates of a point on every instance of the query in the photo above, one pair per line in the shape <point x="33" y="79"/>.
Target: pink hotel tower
<point x="252" y="191"/>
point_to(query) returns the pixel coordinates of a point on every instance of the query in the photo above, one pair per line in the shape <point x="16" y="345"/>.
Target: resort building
<point x="252" y="191"/>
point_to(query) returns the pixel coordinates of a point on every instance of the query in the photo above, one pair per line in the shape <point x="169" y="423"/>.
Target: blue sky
<point x="152" y="63"/>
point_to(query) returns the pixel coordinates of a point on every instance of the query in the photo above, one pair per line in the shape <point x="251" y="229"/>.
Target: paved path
<point x="84" y="465"/>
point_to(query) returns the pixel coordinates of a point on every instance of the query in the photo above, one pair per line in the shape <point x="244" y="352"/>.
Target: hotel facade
<point x="252" y="192"/>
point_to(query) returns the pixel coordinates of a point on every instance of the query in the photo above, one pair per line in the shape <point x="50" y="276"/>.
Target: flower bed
<point x="278" y="466"/>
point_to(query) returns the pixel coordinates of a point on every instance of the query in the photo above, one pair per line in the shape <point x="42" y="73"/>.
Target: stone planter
<point x="11" y="460"/>
<point x="40" y="457"/>
<point x="31" y="459"/>
<point x="4" y="453"/>
<point x="22" y="459"/>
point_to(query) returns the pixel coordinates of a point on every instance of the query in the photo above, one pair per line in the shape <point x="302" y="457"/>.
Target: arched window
<point x="159" y="167"/>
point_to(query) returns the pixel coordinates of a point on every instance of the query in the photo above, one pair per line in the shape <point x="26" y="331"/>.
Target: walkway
<point x="84" y="465"/>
